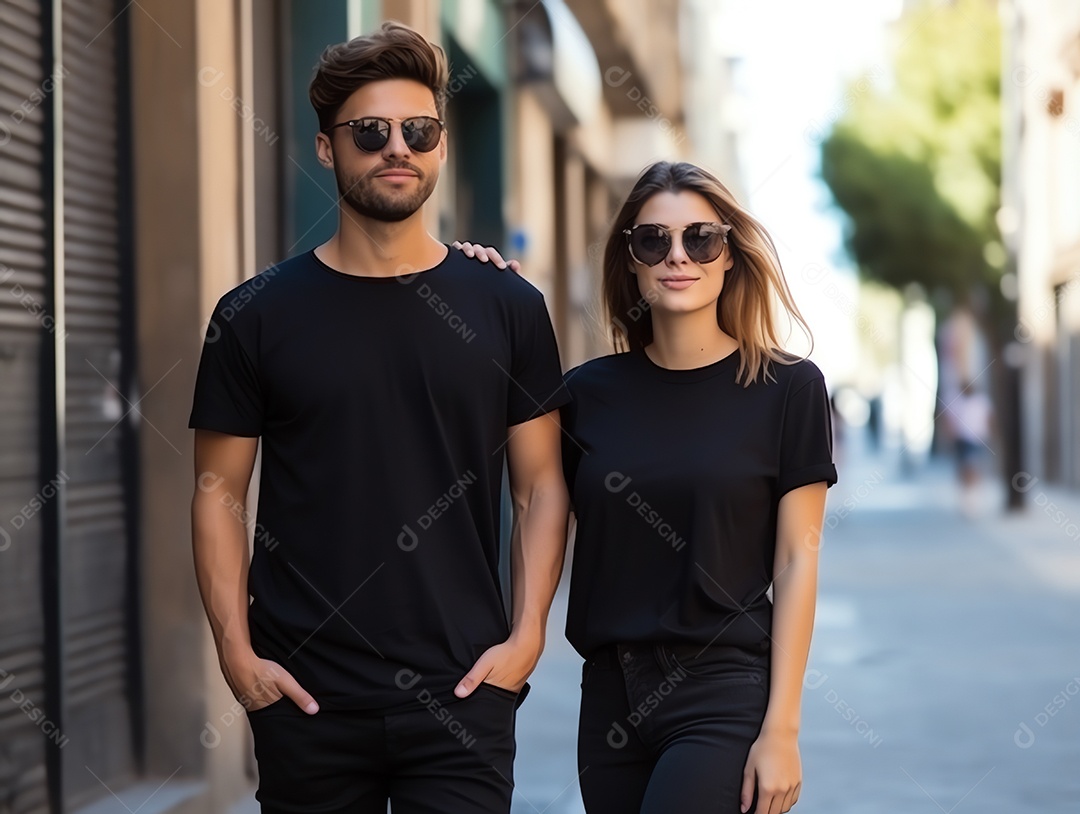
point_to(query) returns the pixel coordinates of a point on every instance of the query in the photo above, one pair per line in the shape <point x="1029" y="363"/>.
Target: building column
<point x="188" y="235"/>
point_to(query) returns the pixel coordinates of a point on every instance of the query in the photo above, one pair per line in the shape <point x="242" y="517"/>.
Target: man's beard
<point x="361" y="194"/>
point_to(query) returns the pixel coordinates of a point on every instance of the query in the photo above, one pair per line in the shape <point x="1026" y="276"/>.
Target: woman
<point x="697" y="460"/>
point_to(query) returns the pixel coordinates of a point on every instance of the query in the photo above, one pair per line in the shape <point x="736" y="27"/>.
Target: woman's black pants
<point x="667" y="727"/>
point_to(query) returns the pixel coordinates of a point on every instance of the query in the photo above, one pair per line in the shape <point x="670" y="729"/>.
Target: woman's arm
<point x="774" y="765"/>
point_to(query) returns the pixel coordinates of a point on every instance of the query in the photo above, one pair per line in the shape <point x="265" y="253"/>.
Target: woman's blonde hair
<point x="744" y="310"/>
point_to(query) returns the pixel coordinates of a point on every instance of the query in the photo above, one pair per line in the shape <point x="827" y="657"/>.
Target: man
<point x="386" y="375"/>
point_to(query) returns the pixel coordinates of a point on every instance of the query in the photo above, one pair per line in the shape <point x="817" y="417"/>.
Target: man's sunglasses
<point x="371" y="133"/>
<point x="650" y="242"/>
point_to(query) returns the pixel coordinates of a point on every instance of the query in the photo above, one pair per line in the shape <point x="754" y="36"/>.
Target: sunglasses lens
<point x="703" y="242"/>
<point x="371" y="135"/>
<point x="650" y="244"/>
<point x="421" y="134"/>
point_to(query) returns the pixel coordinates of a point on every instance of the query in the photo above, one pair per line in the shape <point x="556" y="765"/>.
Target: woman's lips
<point x="677" y="283"/>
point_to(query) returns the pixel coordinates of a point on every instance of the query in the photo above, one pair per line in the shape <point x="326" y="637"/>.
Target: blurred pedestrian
<point x="970" y="420"/>
<point x="375" y="659"/>
<point x="698" y="460"/>
<point x="873" y="422"/>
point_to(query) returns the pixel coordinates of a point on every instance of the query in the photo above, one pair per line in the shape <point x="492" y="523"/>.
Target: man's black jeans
<point x="456" y="756"/>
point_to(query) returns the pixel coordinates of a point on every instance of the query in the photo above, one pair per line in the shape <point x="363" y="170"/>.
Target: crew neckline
<point x="402" y="279"/>
<point x="692" y="374"/>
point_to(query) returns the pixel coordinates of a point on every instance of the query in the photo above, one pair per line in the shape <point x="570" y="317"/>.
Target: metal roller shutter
<point x="23" y="250"/>
<point x="95" y="618"/>
<point x="68" y="675"/>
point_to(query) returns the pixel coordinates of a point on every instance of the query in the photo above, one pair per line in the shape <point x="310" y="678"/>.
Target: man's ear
<point x="324" y="150"/>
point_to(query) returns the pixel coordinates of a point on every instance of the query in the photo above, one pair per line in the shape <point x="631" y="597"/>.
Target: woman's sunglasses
<point x="420" y="133"/>
<point x="650" y="242"/>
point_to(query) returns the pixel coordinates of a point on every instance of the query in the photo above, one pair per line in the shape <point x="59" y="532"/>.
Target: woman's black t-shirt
<point x="675" y="478"/>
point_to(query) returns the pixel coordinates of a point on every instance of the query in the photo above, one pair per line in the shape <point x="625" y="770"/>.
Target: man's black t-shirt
<point x="675" y="477"/>
<point x="383" y="405"/>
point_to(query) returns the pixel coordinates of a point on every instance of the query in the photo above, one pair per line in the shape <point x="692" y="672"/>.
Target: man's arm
<point x="538" y="546"/>
<point x="223" y="466"/>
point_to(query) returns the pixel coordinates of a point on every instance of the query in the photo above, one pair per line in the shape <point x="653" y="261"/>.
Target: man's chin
<point x="383" y="211"/>
<point x="386" y="205"/>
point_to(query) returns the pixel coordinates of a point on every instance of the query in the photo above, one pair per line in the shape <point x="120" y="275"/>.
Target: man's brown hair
<point x="394" y="51"/>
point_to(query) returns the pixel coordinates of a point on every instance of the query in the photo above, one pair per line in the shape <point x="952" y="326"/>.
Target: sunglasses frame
<point x="724" y="229"/>
<point x="352" y="124"/>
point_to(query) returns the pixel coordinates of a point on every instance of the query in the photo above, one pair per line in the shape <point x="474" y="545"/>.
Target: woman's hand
<point x="774" y="766"/>
<point x="485" y="254"/>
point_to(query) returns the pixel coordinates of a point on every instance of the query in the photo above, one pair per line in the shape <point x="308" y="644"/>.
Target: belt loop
<point x="662" y="655"/>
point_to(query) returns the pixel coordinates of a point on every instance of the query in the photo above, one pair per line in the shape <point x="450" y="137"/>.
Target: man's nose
<point x="395" y="145"/>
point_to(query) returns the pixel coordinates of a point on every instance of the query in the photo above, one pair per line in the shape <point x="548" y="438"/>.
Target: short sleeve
<point x="536" y="383"/>
<point x="806" y="440"/>
<point x="228" y="397"/>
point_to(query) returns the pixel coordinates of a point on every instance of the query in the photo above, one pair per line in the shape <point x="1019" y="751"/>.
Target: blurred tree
<point x="916" y="166"/>
<point x="916" y="163"/>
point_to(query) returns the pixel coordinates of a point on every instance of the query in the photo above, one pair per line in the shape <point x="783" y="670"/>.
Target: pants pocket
<point x="517" y="697"/>
<point x="282" y="703"/>
<point x="716" y="663"/>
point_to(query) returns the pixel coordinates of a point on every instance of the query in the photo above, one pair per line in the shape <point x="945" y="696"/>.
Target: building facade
<point x="1041" y="222"/>
<point x="153" y="155"/>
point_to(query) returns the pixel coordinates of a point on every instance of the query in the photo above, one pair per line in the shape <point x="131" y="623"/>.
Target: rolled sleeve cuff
<point x="807" y="475"/>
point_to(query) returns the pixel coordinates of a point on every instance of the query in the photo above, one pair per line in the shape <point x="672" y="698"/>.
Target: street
<point x="944" y="673"/>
